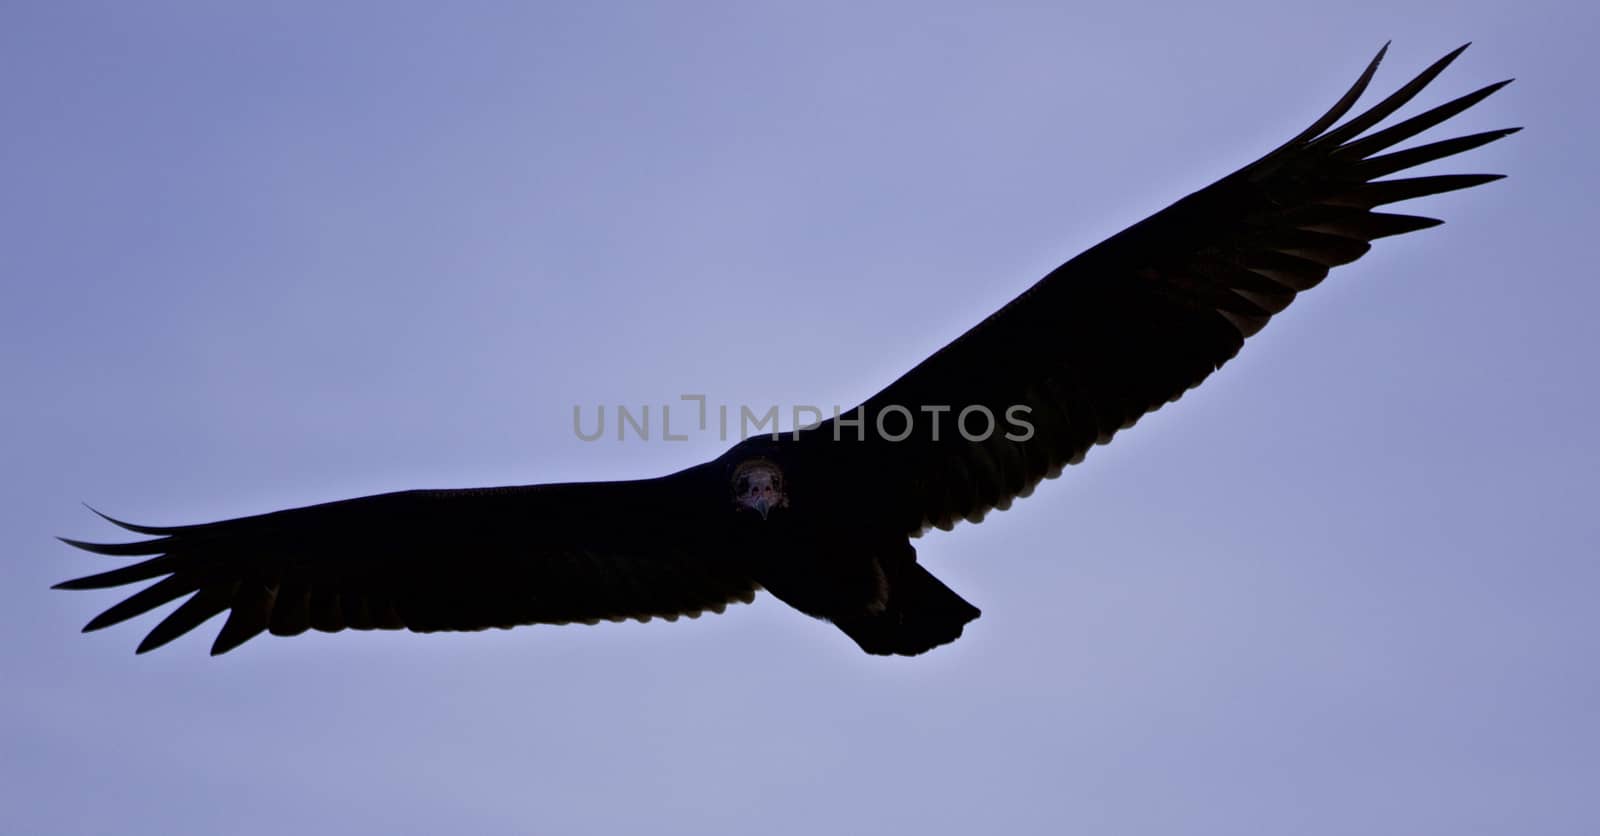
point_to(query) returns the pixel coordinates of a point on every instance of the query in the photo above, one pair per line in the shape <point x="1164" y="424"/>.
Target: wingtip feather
<point x="141" y="547"/>
<point x="1399" y="132"/>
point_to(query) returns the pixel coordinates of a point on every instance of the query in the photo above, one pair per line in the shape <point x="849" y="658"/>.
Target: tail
<point x="921" y="614"/>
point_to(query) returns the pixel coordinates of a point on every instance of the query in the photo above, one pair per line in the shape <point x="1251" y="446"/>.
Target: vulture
<point x="822" y="517"/>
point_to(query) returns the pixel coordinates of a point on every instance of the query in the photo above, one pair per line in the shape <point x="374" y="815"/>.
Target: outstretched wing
<point x="1132" y="323"/>
<point x="433" y="560"/>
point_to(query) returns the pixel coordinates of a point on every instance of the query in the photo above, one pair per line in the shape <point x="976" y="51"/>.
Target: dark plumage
<point x="823" y="520"/>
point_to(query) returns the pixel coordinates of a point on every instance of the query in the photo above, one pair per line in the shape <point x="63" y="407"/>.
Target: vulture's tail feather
<point x="922" y="613"/>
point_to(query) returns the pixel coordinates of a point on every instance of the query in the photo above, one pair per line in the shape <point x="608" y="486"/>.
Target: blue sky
<point x="269" y="257"/>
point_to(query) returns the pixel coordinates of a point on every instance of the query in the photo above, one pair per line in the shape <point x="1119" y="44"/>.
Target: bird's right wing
<point x="432" y="560"/>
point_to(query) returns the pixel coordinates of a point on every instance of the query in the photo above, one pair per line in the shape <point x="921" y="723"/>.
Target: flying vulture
<point x="823" y="518"/>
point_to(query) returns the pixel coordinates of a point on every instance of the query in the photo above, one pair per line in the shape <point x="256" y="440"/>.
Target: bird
<point x="824" y="517"/>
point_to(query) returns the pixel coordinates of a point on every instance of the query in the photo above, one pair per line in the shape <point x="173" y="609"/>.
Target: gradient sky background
<point x="268" y="257"/>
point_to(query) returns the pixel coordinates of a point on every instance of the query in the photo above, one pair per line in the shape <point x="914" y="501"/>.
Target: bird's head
<point x="758" y="486"/>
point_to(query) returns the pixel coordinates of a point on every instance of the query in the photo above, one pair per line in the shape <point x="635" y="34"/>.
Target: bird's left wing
<point x="1137" y="320"/>
<point x="432" y="560"/>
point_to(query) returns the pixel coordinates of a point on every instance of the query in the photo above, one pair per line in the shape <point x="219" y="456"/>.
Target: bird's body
<point x="823" y="518"/>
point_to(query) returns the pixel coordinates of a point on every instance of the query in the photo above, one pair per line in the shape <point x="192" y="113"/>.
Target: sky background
<point x="270" y="256"/>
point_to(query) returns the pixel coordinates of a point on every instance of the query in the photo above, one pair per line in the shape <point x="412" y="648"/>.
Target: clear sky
<point x="265" y="257"/>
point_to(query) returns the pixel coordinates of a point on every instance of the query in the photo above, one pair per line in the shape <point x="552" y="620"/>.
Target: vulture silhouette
<point x="823" y="518"/>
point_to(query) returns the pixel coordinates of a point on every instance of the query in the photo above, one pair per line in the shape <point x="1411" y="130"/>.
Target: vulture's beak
<point x="762" y="507"/>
